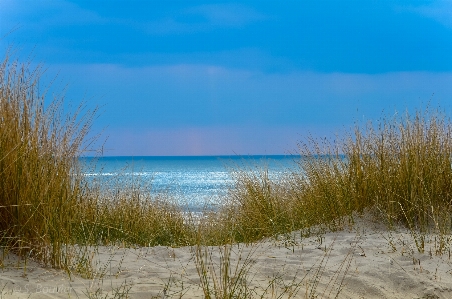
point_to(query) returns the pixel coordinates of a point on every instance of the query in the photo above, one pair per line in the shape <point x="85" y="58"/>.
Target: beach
<point x="225" y="150"/>
<point x="365" y="260"/>
<point x="364" y="216"/>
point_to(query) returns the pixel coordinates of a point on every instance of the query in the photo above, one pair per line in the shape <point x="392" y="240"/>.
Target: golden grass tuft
<point x="400" y="168"/>
<point x="46" y="204"/>
<point x="40" y="183"/>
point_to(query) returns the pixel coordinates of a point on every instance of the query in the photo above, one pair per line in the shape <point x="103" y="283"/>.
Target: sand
<point x="365" y="261"/>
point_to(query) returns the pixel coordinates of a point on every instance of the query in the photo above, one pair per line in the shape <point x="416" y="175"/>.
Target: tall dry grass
<point x="40" y="183"/>
<point x="133" y="215"/>
<point x="46" y="204"/>
<point x="399" y="168"/>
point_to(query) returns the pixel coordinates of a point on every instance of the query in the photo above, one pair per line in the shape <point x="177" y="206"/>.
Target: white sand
<point x="361" y="263"/>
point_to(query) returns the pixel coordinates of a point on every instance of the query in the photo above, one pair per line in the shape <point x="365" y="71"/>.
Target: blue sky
<point x="235" y="77"/>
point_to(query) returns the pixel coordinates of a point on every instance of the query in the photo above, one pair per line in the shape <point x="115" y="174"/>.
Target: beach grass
<point x="398" y="169"/>
<point x="46" y="204"/>
<point x="40" y="183"/>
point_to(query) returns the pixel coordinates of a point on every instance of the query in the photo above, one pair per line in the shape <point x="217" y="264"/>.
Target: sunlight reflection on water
<point x="192" y="180"/>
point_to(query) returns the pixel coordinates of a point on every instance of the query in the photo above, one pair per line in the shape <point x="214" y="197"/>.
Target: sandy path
<point x="361" y="262"/>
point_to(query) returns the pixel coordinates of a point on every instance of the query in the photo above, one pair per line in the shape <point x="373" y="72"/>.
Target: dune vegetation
<point x="398" y="169"/>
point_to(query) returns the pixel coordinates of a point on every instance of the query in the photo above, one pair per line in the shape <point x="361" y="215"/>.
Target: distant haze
<point x="234" y="77"/>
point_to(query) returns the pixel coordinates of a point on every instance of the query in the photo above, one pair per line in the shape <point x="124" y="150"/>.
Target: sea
<point x="193" y="180"/>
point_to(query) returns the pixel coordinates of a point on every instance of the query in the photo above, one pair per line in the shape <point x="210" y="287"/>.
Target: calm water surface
<point x="191" y="179"/>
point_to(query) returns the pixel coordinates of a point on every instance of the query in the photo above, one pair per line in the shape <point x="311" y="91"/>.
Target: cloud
<point x="190" y="109"/>
<point x="205" y="18"/>
<point x="441" y="11"/>
<point x="234" y="15"/>
<point x="198" y="140"/>
<point x="41" y="15"/>
<point x="211" y="95"/>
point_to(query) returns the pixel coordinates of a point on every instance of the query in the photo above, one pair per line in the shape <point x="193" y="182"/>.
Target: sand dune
<point x="365" y="261"/>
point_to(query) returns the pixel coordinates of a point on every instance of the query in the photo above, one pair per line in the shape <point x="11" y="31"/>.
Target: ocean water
<point x="192" y="180"/>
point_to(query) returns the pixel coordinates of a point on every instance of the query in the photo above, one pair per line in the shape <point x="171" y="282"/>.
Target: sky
<point x="234" y="77"/>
